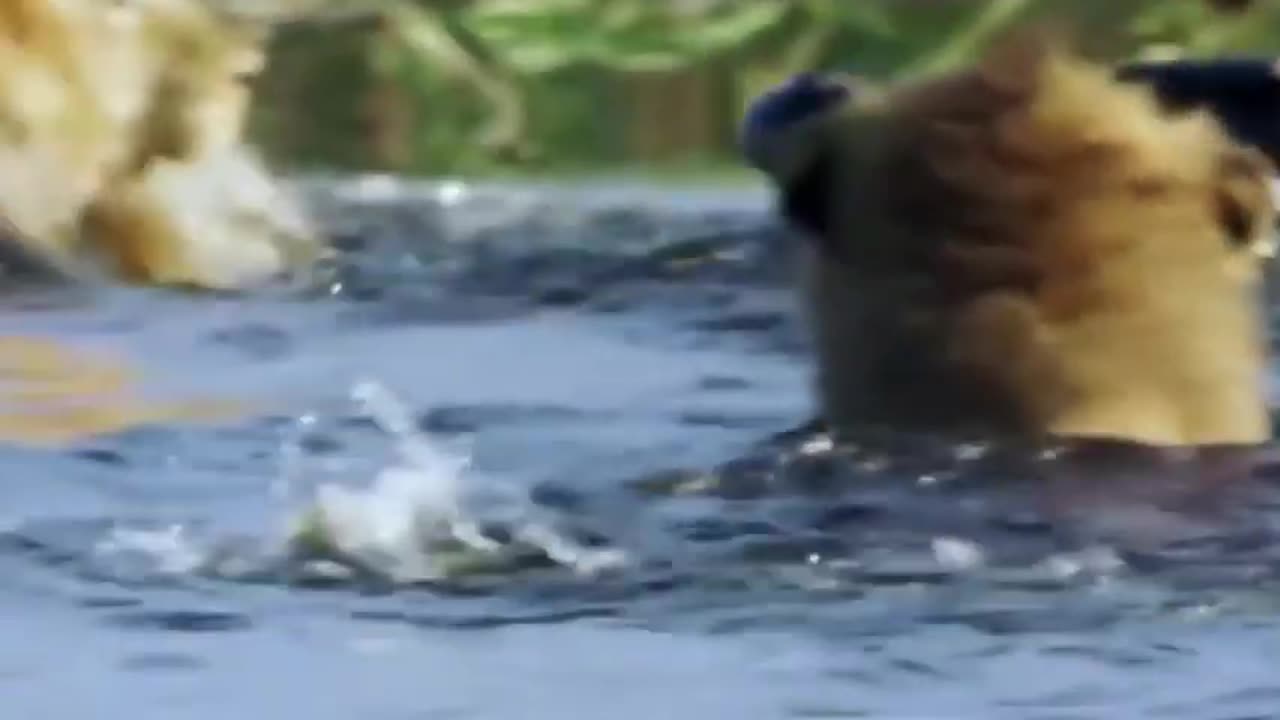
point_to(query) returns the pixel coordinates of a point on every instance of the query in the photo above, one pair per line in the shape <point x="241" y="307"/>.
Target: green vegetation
<point x="653" y="86"/>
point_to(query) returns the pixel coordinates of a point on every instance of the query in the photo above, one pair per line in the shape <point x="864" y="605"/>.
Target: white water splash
<point x="167" y="551"/>
<point x="957" y="554"/>
<point x="421" y="518"/>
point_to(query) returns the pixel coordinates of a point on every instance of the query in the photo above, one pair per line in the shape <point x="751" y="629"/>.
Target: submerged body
<point x="1028" y="247"/>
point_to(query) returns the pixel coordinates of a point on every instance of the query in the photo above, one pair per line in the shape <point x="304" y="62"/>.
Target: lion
<point x="122" y="148"/>
<point x="122" y="154"/>
<point x="1029" y="248"/>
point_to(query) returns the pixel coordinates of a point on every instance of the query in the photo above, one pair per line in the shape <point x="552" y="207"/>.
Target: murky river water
<point x="509" y="458"/>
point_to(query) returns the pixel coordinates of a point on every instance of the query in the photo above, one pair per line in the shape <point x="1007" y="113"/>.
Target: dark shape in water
<point x="21" y="264"/>
<point x="960" y="222"/>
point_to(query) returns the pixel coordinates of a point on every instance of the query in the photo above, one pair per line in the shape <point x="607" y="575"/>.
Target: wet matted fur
<point x="121" y="141"/>
<point x="1032" y="247"/>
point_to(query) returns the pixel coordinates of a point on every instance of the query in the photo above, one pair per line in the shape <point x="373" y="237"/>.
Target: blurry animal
<point x="121" y="148"/>
<point x="1027" y="247"/>
<point x="121" y="143"/>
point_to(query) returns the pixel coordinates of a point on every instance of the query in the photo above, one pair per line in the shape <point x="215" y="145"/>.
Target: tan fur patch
<point x="1036" y="247"/>
<point x="96" y="98"/>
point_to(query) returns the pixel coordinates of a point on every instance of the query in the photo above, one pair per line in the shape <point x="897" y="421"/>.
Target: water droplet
<point x="956" y="554"/>
<point x="452" y="192"/>
<point x="817" y="445"/>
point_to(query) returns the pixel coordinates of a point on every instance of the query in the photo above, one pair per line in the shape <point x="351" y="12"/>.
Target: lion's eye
<point x="1245" y="197"/>
<point x="1235" y="220"/>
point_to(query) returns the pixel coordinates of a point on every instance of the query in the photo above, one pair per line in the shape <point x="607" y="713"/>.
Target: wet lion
<point x="122" y="153"/>
<point x="1027" y="247"/>
<point x="121" y="144"/>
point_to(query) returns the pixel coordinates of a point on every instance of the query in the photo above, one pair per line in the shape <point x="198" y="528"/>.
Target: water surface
<point x="586" y="381"/>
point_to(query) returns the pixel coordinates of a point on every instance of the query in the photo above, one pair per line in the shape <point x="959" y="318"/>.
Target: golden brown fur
<point x="1031" y="247"/>
<point x="121" y="140"/>
<point x="102" y="104"/>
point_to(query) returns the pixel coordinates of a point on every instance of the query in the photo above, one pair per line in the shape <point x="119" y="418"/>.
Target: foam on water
<point x="422" y="518"/>
<point x="167" y="547"/>
<point x="428" y="515"/>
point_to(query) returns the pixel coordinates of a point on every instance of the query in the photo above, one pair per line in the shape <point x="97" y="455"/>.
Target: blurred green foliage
<point x="534" y="86"/>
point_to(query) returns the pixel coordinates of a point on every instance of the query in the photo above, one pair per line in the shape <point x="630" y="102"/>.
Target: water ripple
<point x="634" y="545"/>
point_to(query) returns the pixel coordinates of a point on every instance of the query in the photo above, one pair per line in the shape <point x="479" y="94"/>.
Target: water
<point x="512" y="456"/>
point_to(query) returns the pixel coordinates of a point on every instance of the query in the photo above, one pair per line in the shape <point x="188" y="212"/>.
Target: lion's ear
<point x="1242" y="197"/>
